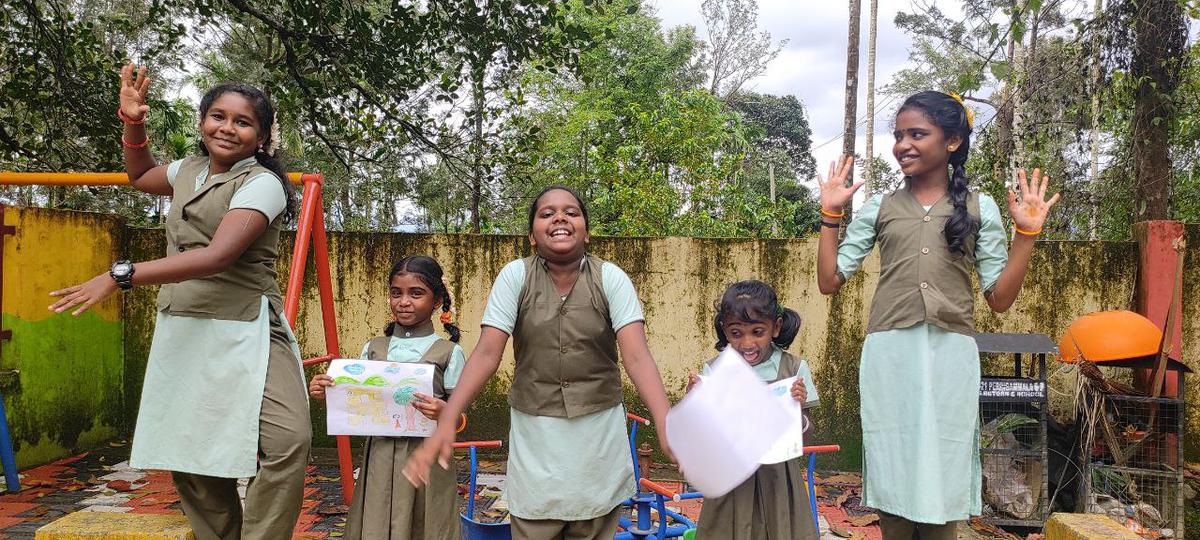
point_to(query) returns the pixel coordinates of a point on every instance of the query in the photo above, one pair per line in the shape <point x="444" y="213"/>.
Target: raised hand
<point x="133" y="93"/>
<point x="835" y="194"/>
<point x="1030" y="209"/>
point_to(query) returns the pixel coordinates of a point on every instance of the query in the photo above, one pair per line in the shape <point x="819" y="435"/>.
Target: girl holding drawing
<point x="773" y="503"/>
<point x="568" y="312"/>
<point x="384" y="505"/>
<point x="223" y="396"/>
<point x="919" y="371"/>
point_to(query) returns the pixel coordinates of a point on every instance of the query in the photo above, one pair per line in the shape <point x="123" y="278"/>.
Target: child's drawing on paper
<point x="375" y="398"/>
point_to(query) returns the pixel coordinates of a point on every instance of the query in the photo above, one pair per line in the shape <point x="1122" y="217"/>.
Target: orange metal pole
<point x="309" y="203"/>
<point x="84" y="178"/>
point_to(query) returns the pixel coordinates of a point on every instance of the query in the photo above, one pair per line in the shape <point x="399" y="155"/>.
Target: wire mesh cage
<point x="1148" y="502"/>
<point x="1012" y="418"/>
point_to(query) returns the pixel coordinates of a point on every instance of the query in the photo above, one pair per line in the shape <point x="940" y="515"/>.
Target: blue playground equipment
<point x="12" y="481"/>
<point x="650" y="499"/>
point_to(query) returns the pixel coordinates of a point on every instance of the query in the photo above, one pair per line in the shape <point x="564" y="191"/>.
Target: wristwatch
<point x="122" y="273"/>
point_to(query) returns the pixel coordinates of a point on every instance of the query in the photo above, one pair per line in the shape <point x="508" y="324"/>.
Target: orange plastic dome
<point x="1108" y="336"/>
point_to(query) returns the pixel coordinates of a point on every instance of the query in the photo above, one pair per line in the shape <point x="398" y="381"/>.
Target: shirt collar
<point x="420" y="330"/>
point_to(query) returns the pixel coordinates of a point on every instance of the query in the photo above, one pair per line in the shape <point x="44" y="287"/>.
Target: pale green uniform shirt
<point x="205" y="377"/>
<point x="566" y="469"/>
<point x="919" y="394"/>
<point x="411" y="349"/>
<point x="768" y="371"/>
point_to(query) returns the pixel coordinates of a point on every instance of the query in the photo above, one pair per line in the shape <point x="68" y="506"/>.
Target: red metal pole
<point x="329" y="320"/>
<point x="310" y="202"/>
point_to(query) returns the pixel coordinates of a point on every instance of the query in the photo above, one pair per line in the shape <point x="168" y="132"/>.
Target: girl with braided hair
<point x="384" y="504"/>
<point x="919" y="369"/>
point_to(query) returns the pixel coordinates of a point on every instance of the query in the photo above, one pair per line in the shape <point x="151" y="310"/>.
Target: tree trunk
<point x="477" y="148"/>
<point x="1157" y="40"/>
<point x="1094" y="154"/>
<point x="869" y="157"/>
<point x="1023" y="94"/>
<point x="849" y="120"/>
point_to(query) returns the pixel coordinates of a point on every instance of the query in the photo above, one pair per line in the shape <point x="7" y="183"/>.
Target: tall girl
<point x="919" y="371"/>
<point x="384" y="504"/>
<point x="223" y="396"/>
<point x="773" y="502"/>
<point x="568" y="312"/>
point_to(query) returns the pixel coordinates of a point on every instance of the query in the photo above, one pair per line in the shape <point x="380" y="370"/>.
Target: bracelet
<point x="134" y="146"/>
<point x="829" y="214"/>
<point x="1027" y="233"/>
<point x="835" y="225"/>
<point x="129" y="121"/>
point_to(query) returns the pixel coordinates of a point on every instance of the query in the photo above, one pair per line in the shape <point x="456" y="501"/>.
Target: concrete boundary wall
<point x="677" y="279"/>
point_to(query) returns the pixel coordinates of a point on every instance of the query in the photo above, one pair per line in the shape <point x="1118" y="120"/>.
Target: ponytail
<point x="789" y="328"/>
<point x="448" y="315"/>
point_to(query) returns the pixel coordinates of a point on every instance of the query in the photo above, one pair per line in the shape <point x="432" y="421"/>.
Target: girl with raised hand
<point x="223" y="396"/>
<point x="919" y="371"/>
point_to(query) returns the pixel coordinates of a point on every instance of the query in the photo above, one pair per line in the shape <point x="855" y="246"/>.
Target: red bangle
<point x="134" y="146"/>
<point x="129" y="121"/>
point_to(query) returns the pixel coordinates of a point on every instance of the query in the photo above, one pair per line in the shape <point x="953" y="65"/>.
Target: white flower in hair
<point x="274" y="146"/>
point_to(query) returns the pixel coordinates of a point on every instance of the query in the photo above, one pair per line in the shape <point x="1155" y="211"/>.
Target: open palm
<point x="1030" y="209"/>
<point x="835" y="194"/>
<point x="133" y="92"/>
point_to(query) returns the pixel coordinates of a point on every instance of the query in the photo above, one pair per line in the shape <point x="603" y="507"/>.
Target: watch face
<point x="122" y="268"/>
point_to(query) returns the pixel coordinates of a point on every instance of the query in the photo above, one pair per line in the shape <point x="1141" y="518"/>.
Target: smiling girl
<point x="384" y="505"/>
<point x="773" y="502"/>
<point x="223" y="396"/>
<point x="919" y="370"/>
<point x="568" y="313"/>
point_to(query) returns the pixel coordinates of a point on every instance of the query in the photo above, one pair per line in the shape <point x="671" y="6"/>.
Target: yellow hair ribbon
<point x="970" y="113"/>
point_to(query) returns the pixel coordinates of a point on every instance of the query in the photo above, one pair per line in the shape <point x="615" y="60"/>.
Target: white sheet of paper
<point x="371" y="397"/>
<point x="791" y="444"/>
<point x="721" y="429"/>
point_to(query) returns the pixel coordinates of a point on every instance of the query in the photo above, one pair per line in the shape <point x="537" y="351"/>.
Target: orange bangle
<point x="1027" y="233"/>
<point x="829" y="214"/>
<point x="129" y="121"/>
<point x="134" y="146"/>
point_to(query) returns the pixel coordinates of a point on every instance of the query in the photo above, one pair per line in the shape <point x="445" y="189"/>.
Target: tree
<point x="870" y="142"/>
<point x="849" y="124"/>
<point x="738" y="51"/>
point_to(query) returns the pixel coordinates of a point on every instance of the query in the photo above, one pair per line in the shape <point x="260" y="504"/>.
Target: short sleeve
<point x="860" y="238"/>
<point x="501" y="310"/>
<point x="364" y="354"/>
<point x="263" y="193"/>
<point x="454" y="368"/>
<point x="809" y="386"/>
<point x="173" y="171"/>
<point x="991" y="250"/>
<point x="623" y="304"/>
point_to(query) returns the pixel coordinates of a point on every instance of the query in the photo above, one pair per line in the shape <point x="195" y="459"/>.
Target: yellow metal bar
<point x="80" y="179"/>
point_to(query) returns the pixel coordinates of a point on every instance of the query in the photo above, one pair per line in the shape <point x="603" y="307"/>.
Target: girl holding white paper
<point x="384" y="504"/>
<point x="919" y="371"/>
<point x="568" y="313"/>
<point x="773" y="503"/>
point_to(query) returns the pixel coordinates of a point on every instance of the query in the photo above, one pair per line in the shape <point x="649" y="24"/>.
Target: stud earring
<point x="952" y="148"/>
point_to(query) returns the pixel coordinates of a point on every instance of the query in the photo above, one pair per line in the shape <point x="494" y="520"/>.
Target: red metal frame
<point x="311" y="227"/>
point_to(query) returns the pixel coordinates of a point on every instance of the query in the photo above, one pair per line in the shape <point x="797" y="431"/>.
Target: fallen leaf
<point x="842" y="479"/>
<point x="858" y="535"/>
<point x="863" y="521"/>
<point x="119" y="485"/>
<point x="333" y="509"/>
<point x="819" y="492"/>
<point x="840" y="531"/>
<point x="841" y="499"/>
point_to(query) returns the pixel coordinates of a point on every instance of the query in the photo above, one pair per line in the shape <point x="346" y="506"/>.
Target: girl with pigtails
<point x="385" y="505"/>
<point x="223" y="396"/>
<point x="919" y="369"/>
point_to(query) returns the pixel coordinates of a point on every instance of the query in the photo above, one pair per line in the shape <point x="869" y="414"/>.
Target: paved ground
<point x="101" y="481"/>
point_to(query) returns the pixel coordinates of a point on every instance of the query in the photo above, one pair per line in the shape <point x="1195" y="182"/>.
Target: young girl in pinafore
<point x="385" y="505"/>
<point x="223" y="396"/>
<point x="773" y="503"/>
<point x="919" y="371"/>
<point x="569" y="467"/>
